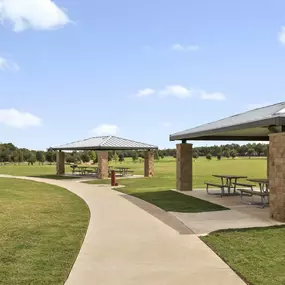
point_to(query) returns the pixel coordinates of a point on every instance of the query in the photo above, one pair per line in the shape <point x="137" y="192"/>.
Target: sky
<point x="140" y="69"/>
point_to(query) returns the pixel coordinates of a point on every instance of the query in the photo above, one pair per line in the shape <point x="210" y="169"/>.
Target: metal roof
<point x="105" y="143"/>
<point x="253" y="125"/>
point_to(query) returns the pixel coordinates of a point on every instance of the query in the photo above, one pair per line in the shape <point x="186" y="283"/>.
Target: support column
<point x="184" y="167"/>
<point x="60" y="163"/>
<point x="103" y="164"/>
<point x="149" y="164"/>
<point x="268" y="158"/>
<point x="277" y="176"/>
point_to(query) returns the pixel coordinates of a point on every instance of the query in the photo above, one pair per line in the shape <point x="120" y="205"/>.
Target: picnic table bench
<point x="228" y="182"/>
<point x="263" y="191"/>
<point x="124" y="171"/>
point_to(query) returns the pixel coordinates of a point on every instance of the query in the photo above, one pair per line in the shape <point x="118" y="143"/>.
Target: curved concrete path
<point x="126" y="245"/>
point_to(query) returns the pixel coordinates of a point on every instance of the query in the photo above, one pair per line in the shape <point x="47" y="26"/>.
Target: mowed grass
<point x="41" y="231"/>
<point x="165" y="169"/>
<point x="157" y="190"/>
<point x="258" y="255"/>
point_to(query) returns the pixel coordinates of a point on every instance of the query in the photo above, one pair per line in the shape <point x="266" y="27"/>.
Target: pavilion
<point x="103" y="145"/>
<point x="262" y="124"/>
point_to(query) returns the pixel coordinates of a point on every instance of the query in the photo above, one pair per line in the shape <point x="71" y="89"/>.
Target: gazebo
<point x="262" y="124"/>
<point x="103" y="145"/>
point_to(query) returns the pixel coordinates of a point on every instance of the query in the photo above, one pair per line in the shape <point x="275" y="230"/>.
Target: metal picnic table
<point x="229" y="181"/>
<point x="122" y="170"/>
<point x="262" y="182"/>
<point x="263" y="192"/>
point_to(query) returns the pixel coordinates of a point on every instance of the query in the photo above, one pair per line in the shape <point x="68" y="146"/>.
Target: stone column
<point x="60" y="163"/>
<point x="184" y="167"/>
<point x="277" y="176"/>
<point x="103" y="164"/>
<point x="149" y="164"/>
<point x="268" y="161"/>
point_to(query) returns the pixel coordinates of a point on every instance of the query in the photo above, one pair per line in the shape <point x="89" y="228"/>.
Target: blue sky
<point x="138" y="69"/>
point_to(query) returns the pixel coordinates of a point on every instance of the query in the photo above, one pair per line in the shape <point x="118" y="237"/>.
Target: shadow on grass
<point x="177" y="202"/>
<point x="53" y="176"/>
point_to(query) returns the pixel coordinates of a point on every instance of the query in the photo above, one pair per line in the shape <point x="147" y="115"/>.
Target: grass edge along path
<point x="257" y="255"/>
<point x="152" y="190"/>
<point x="41" y="232"/>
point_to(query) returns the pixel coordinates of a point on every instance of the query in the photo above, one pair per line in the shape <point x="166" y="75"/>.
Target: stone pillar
<point x="268" y="161"/>
<point x="60" y="163"/>
<point x="103" y="164"/>
<point x="184" y="167"/>
<point x="277" y="176"/>
<point x="149" y="164"/>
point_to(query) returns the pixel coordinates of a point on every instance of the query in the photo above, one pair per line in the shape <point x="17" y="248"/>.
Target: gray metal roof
<point x="105" y="143"/>
<point x="252" y="125"/>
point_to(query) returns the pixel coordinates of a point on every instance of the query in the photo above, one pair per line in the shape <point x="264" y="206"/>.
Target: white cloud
<point x="281" y="35"/>
<point x="176" y="91"/>
<point x="6" y="64"/>
<point x="33" y="14"/>
<point x="179" y="47"/>
<point x="145" y="92"/>
<point x="212" y="96"/>
<point x="18" y="119"/>
<point x="105" y="130"/>
<point x="182" y="92"/>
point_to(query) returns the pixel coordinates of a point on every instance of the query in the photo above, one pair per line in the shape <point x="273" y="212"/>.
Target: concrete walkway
<point x="126" y="245"/>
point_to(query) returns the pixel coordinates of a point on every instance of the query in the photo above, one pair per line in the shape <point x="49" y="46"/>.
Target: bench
<point x="245" y="185"/>
<point x="250" y="193"/>
<point x="215" y="185"/>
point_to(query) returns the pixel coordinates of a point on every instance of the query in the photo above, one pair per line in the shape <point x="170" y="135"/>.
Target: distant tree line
<point x="9" y="153"/>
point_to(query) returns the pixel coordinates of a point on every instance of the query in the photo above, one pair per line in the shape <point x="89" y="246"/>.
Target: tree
<point x="116" y="157"/>
<point x="4" y="155"/>
<point x="40" y="156"/>
<point x="49" y="157"/>
<point x="250" y="152"/>
<point x="233" y="153"/>
<point x="208" y="156"/>
<point x="121" y="157"/>
<point x="85" y="157"/>
<point x="156" y="155"/>
<point x="110" y="156"/>
<point x="32" y="159"/>
<point x="15" y="156"/>
<point x="135" y="156"/>
<point x="20" y="156"/>
<point x="161" y="154"/>
<point x="70" y="158"/>
<point x="219" y="156"/>
<point x="195" y="155"/>
<point x="226" y="154"/>
<point x="92" y="154"/>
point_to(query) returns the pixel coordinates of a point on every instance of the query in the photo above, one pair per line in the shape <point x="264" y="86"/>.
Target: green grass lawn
<point x="41" y="231"/>
<point x="258" y="255"/>
<point x="156" y="190"/>
<point x="164" y="169"/>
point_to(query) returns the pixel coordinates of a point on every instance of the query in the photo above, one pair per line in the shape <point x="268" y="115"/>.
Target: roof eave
<point x="104" y="148"/>
<point x="277" y="121"/>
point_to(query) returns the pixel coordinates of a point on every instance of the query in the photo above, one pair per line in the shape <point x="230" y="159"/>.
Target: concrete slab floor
<point x="239" y="215"/>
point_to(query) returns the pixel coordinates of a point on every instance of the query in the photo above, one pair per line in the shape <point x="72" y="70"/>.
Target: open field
<point x="164" y="169"/>
<point x="41" y="231"/>
<point x="256" y="254"/>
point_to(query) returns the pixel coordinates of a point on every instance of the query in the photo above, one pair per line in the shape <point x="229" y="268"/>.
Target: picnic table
<point x="263" y="191"/>
<point x="83" y="169"/>
<point x="227" y="182"/>
<point x="262" y="182"/>
<point x="124" y="171"/>
<point x="230" y="181"/>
